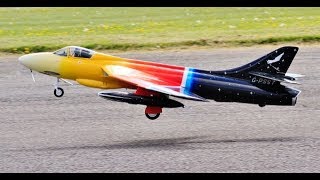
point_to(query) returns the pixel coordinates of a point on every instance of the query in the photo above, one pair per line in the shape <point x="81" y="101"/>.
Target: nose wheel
<point x="58" y="92"/>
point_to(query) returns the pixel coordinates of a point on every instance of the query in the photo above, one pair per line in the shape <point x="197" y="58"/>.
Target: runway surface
<point x="82" y="132"/>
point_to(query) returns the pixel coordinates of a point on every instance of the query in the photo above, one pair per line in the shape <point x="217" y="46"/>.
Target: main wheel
<point x="262" y="105"/>
<point x="58" y="92"/>
<point x="152" y="116"/>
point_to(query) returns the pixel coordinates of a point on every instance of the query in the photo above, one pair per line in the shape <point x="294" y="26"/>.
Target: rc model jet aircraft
<point x="258" y="82"/>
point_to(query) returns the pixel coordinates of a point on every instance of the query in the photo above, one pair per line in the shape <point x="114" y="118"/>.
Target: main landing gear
<point x="153" y="101"/>
<point x="152" y="116"/>
<point x="262" y="105"/>
<point x="153" y="112"/>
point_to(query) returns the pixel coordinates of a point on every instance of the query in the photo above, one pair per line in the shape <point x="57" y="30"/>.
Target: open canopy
<point x="75" y="51"/>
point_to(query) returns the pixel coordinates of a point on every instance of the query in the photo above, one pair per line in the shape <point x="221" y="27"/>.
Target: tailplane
<point x="268" y="70"/>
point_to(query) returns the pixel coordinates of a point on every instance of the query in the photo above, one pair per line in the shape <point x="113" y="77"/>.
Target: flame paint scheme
<point x="258" y="82"/>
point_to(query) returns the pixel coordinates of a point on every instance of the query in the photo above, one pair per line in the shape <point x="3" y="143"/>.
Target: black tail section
<point x="277" y="62"/>
<point x="267" y="71"/>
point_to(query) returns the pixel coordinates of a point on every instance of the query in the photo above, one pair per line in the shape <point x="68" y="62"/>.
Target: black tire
<point x="262" y="105"/>
<point x="59" y="89"/>
<point x="152" y="116"/>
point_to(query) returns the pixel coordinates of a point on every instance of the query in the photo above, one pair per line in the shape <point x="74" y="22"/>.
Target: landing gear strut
<point x="58" y="91"/>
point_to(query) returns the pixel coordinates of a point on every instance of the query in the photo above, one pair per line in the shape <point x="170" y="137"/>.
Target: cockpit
<point x="75" y="51"/>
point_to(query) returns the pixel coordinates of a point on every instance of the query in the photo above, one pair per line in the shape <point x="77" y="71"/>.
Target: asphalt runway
<point x="82" y="132"/>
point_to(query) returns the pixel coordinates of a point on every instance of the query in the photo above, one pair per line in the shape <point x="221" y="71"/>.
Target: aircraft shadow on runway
<point x="194" y="142"/>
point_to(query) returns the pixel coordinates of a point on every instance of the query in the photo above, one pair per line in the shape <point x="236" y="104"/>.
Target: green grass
<point x="42" y="29"/>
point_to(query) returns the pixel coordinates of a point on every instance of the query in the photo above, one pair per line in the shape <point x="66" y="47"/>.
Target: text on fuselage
<point x="262" y="81"/>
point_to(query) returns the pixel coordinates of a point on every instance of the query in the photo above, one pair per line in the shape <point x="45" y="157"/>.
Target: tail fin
<point x="272" y="66"/>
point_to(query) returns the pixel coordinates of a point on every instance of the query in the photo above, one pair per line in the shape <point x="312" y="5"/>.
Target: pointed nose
<point x="23" y="60"/>
<point x="44" y="61"/>
<point x="20" y="59"/>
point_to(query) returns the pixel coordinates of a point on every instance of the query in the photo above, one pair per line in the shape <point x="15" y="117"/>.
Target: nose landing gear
<point x="58" y="91"/>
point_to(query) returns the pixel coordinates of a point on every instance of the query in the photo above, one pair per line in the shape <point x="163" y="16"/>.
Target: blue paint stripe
<point x="189" y="81"/>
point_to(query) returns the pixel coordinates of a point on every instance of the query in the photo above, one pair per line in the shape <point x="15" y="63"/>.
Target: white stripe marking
<point x="185" y="76"/>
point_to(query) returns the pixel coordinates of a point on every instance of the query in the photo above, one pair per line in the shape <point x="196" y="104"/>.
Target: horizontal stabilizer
<point x="294" y="75"/>
<point x="291" y="82"/>
<point x="278" y="77"/>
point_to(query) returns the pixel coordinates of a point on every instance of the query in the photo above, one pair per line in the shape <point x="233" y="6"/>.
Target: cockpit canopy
<point x="75" y="51"/>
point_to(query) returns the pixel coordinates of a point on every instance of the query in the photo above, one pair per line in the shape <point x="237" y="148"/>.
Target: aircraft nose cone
<point x="24" y="60"/>
<point x="20" y="59"/>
